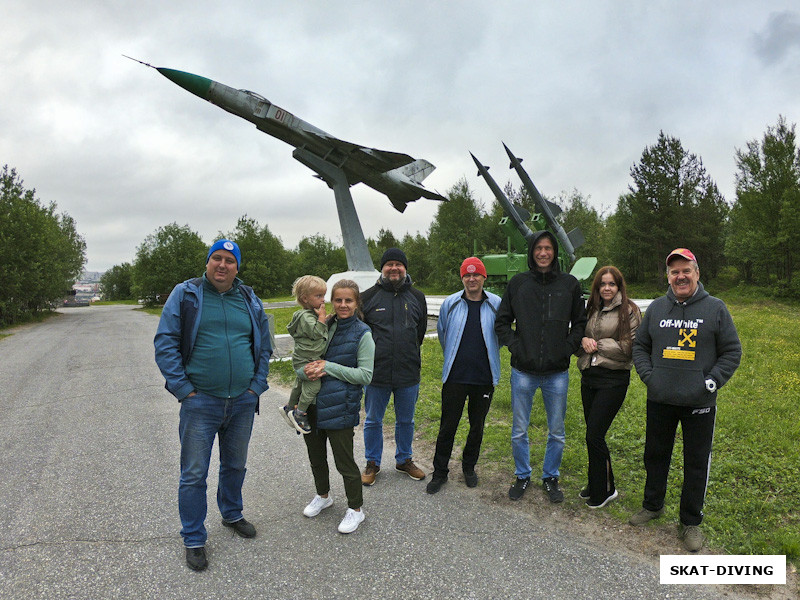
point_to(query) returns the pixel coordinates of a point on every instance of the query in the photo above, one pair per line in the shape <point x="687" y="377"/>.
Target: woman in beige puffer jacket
<point x="604" y="360"/>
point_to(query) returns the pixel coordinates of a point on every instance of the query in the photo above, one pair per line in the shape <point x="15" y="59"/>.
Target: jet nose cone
<point x="199" y="86"/>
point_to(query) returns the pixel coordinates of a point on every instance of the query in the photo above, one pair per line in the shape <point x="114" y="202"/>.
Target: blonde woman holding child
<point x="344" y="371"/>
<point x="310" y="335"/>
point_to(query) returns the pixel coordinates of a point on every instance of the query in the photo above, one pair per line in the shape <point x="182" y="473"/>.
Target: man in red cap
<point x="471" y="369"/>
<point x="685" y="350"/>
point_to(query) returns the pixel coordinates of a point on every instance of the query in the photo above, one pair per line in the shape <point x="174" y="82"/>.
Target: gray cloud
<point x="577" y="89"/>
<point x="779" y="38"/>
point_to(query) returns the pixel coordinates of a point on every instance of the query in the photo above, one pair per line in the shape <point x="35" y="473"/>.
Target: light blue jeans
<point x="202" y="418"/>
<point x="554" y="394"/>
<point x="376" y="399"/>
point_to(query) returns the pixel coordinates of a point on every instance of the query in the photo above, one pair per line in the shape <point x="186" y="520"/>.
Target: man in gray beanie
<point x="398" y="316"/>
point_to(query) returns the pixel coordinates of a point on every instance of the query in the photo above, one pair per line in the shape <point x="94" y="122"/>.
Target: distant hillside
<point x="91" y="276"/>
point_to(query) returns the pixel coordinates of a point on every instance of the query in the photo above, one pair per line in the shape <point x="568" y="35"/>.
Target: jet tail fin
<point x="417" y="171"/>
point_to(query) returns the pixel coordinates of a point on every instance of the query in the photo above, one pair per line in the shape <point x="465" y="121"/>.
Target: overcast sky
<point x="576" y="88"/>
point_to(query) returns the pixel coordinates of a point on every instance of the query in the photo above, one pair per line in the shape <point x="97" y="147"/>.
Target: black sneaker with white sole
<point x="299" y="420"/>
<point x="608" y="499"/>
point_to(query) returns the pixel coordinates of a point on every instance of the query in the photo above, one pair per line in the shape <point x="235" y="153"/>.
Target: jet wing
<point x="372" y="158"/>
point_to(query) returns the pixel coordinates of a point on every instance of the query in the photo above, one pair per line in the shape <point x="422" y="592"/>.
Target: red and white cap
<point x="473" y="265"/>
<point x="682" y="253"/>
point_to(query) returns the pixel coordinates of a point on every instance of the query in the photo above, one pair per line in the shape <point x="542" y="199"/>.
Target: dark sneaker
<point x="370" y="472"/>
<point x="435" y="484"/>
<point x="519" y="487"/>
<point x="692" y="537"/>
<point x="299" y="421"/>
<point x="471" y="478"/>
<point x="644" y="515"/>
<point x="285" y="410"/>
<point x="242" y="527"/>
<point x="409" y="468"/>
<point x="550" y="486"/>
<point x="196" y="558"/>
<point x="584" y="493"/>
<point x="611" y="497"/>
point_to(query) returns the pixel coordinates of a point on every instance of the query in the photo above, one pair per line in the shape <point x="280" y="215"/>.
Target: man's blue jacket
<point x="451" y="323"/>
<point x="177" y="331"/>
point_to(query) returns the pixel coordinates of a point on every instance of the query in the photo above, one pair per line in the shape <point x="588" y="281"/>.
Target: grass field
<point x="754" y="487"/>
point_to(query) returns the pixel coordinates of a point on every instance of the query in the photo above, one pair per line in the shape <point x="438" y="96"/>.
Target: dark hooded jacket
<point x="549" y="313"/>
<point x="398" y="318"/>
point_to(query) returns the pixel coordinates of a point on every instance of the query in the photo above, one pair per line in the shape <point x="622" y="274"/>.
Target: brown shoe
<point x="410" y="469"/>
<point x="370" y="472"/>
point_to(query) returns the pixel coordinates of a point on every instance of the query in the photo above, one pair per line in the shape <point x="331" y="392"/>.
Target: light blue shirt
<point x="450" y="326"/>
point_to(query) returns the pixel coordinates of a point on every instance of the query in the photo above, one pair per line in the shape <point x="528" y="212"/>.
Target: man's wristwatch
<point x="711" y="385"/>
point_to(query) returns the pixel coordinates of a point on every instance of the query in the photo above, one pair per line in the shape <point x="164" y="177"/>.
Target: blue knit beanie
<point x="228" y="245"/>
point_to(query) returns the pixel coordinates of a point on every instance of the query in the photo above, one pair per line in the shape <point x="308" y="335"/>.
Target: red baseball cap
<point x="683" y="253"/>
<point x="473" y="265"/>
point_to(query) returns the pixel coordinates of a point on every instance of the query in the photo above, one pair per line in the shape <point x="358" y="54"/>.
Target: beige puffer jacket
<point x="603" y="326"/>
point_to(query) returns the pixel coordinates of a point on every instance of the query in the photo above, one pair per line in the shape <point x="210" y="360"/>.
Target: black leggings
<point x="600" y="406"/>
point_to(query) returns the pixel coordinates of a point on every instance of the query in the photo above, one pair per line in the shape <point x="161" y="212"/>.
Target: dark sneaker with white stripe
<point x="519" y="487"/>
<point x="550" y="486"/>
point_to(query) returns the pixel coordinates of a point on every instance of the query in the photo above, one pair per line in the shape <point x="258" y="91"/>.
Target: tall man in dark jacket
<point x="213" y="347"/>
<point x="685" y="350"/>
<point x="398" y="316"/>
<point x="550" y="315"/>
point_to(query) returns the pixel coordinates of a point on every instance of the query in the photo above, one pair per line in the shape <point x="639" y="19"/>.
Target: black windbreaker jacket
<point x="398" y="319"/>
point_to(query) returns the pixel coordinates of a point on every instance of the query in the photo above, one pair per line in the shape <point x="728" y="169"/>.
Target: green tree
<point x="764" y="235"/>
<point x="378" y="246"/>
<point x="317" y="255"/>
<point x="42" y="253"/>
<point x="418" y="253"/>
<point x="451" y="236"/>
<point x="265" y="262"/>
<point x="672" y="202"/>
<point x="171" y="254"/>
<point x="117" y="282"/>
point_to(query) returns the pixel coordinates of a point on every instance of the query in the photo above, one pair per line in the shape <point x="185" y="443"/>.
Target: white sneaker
<point x="352" y="519"/>
<point x="317" y="505"/>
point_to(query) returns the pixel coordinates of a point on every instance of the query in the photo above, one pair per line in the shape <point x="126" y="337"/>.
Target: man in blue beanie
<point x="213" y="348"/>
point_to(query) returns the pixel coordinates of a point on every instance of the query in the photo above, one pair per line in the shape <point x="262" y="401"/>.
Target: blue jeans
<point x="202" y="418"/>
<point x="554" y="394"/>
<point x="376" y="399"/>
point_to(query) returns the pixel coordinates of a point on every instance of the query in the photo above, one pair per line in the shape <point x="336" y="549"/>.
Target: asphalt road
<point x="89" y="468"/>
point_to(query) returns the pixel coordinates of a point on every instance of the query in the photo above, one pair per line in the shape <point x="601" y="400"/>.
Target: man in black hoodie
<point x="550" y="315"/>
<point x="685" y="349"/>
<point x="397" y="313"/>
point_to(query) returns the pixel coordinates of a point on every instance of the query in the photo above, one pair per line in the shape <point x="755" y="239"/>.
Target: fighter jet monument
<point x="338" y="163"/>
